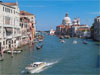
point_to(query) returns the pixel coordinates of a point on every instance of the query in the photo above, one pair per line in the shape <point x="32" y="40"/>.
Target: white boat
<point x="41" y="40"/>
<point x="14" y="51"/>
<point x="74" y="42"/>
<point x="62" y="41"/>
<point x="35" y="67"/>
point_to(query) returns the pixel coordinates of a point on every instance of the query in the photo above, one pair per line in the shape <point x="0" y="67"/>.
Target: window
<point x="11" y="11"/>
<point x="31" y="17"/>
<point x="7" y="10"/>
<point x="3" y="42"/>
<point x="14" y="11"/>
<point x="7" y="20"/>
<point x="3" y="9"/>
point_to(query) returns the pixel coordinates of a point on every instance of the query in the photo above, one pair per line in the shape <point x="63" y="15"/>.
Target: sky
<point x="50" y="13"/>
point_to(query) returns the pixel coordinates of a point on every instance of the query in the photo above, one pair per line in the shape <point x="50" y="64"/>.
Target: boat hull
<point x="37" y="69"/>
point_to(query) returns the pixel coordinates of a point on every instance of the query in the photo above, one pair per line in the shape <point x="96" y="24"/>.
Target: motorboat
<point x="67" y="36"/>
<point x="74" y="42"/>
<point x="35" y="67"/>
<point x="41" y="40"/>
<point x="61" y="37"/>
<point x="62" y="41"/>
<point x="84" y="42"/>
<point x="38" y="47"/>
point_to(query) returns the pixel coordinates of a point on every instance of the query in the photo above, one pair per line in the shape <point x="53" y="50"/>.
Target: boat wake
<point x="48" y="65"/>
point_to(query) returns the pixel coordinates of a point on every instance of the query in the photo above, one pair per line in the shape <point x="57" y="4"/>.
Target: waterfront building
<point x="9" y="25"/>
<point x="65" y="27"/>
<point x="83" y="32"/>
<point x="60" y="30"/>
<point x="80" y="30"/>
<point x="96" y="29"/>
<point x="27" y="23"/>
<point x="52" y="32"/>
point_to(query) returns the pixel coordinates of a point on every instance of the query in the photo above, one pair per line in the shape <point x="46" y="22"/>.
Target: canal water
<point x="62" y="58"/>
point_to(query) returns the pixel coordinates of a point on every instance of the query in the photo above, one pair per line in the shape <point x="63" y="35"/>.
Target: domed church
<point x="66" y="20"/>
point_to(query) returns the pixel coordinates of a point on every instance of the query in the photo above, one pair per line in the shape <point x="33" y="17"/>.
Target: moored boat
<point x="39" y="47"/>
<point x="61" y="37"/>
<point x="14" y="51"/>
<point x="67" y="36"/>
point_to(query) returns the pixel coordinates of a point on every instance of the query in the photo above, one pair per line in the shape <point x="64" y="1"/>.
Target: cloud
<point x="96" y="13"/>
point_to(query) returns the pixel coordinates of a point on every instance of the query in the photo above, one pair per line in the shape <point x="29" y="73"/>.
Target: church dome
<point x="66" y="20"/>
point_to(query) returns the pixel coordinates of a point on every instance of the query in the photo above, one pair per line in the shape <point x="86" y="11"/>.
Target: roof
<point x="75" y="25"/>
<point x="62" y="26"/>
<point x="67" y="27"/>
<point x="25" y="13"/>
<point x="83" y="29"/>
<point x="10" y="4"/>
<point x="98" y="16"/>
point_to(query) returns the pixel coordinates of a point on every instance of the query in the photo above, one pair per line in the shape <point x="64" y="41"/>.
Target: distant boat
<point x="67" y="36"/>
<point x="74" y="42"/>
<point x="14" y="51"/>
<point x="61" y="37"/>
<point x="41" y="40"/>
<point x="62" y="41"/>
<point x="39" y="47"/>
<point x="84" y="42"/>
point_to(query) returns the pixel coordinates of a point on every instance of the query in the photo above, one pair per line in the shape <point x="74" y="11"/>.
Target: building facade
<point x="80" y="31"/>
<point x="27" y="23"/>
<point x="9" y="25"/>
<point x="96" y="29"/>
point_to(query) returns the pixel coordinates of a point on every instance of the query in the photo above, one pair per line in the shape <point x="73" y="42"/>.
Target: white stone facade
<point x="9" y="25"/>
<point x="75" y="31"/>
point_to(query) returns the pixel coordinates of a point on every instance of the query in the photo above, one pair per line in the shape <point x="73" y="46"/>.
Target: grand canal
<point x="62" y="58"/>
